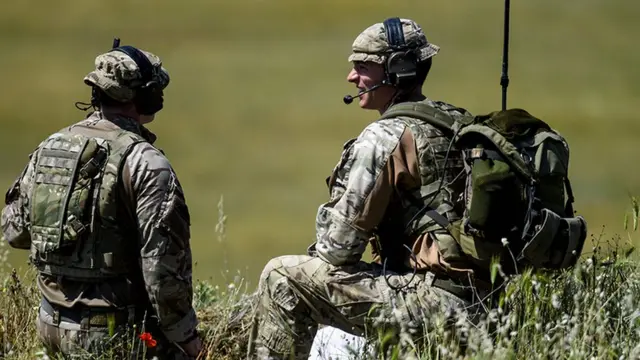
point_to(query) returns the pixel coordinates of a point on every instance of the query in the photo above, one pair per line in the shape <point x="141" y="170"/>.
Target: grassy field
<point x="589" y="312"/>
<point x="254" y="112"/>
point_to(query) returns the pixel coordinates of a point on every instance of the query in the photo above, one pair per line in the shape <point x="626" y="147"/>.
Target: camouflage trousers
<point x="297" y="293"/>
<point x="70" y="340"/>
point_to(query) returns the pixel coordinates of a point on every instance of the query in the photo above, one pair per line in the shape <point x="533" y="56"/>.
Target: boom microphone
<point x="348" y="99"/>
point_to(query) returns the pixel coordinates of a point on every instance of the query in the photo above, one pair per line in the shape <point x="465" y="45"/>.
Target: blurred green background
<point x="254" y="111"/>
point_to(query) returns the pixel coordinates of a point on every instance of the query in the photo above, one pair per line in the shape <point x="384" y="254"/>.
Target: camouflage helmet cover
<point x="372" y="44"/>
<point x="118" y="75"/>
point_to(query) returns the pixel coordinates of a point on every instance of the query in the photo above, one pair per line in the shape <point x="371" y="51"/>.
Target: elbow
<point x="17" y="240"/>
<point x="18" y="244"/>
<point x="14" y="229"/>
<point x="338" y="242"/>
<point x="339" y="255"/>
<point x="332" y="259"/>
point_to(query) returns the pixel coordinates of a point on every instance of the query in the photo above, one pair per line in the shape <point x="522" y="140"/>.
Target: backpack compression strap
<point x="419" y="110"/>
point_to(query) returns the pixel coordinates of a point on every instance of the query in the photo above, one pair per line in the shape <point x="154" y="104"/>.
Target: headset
<point x="401" y="65"/>
<point x="148" y="98"/>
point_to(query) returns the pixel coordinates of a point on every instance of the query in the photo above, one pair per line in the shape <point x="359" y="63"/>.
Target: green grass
<point x="254" y="114"/>
<point x="254" y="110"/>
<point x="588" y="312"/>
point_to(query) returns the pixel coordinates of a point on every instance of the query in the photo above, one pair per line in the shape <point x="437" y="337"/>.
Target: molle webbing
<point x="75" y="228"/>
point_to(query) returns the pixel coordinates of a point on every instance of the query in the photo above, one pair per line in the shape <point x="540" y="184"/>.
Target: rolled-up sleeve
<point x="164" y="225"/>
<point x="361" y="188"/>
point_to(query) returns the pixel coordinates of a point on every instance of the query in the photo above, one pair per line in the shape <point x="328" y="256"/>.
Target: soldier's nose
<point x="352" y="76"/>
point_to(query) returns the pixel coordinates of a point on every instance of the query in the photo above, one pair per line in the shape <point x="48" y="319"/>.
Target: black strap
<point x="438" y="218"/>
<point x="568" y="209"/>
<point x="145" y="66"/>
<point x="91" y="168"/>
<point x="431" y="213"/>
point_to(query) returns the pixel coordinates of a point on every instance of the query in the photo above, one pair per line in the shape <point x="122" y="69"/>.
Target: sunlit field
<point x="254" y="111"/>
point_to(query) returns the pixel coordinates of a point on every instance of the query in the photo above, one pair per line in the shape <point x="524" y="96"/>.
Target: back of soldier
<point x="88" y="207"/>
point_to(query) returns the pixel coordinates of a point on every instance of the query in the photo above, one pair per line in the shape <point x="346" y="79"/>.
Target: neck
<point x="122" y="111"/>
<point x="400" y="97"/>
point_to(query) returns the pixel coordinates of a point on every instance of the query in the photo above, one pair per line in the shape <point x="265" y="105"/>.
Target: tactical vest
<point x="75" y="230"/>
<point x="440" y="167"/>
<point x="497" y="187"/>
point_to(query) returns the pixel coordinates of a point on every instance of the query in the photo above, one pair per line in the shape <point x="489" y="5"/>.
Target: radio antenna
<point x="504" y="79"/>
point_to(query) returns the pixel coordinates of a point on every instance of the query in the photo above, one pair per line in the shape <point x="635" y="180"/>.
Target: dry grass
<point x="590" y="312"/>
<point x="254" y="110"/>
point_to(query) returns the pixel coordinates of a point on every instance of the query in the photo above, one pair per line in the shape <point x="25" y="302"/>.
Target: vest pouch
<point x="495" y="198"/>
<point x="557" y="242"/>
<point x="449" y="246"/>
<point x="61" y="197"/>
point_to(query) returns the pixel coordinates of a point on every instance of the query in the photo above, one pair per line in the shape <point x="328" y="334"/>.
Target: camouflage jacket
<point x="154" y="202"/>
<point x="367" y="190"/>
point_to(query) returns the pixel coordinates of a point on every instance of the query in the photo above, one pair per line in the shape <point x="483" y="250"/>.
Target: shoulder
<point x="145" y="155"/>
<point x="374" y="145"/>
<point x="455" y="111"/>
<point x="383" y="133"/>
<point x="147" y="170"/>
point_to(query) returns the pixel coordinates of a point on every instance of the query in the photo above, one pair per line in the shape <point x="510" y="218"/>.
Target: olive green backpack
<point x="516" y="173"/>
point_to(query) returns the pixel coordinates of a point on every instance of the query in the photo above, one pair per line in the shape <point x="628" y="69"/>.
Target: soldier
<point x="371" y="201"/>
<point x="105" y="219"/>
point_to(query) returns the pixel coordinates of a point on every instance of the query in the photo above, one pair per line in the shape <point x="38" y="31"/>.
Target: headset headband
<point x="395" y="34"/>
<point x="145" y="66"/>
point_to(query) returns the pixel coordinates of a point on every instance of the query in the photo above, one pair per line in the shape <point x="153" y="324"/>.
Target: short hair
<point x="422" y="70"/>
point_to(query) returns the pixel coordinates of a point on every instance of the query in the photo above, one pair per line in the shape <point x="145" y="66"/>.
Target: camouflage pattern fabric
<point x="70" y="339"/>
<point x="341" y="234"/>
<point x="339" y="239"/>
<point x="444" y="198"/>
<point x="118" y="75"/>
<point x="333" y="286"/>
<point x="154" y="199"/>
<point x="372" y="44"/>
<point x="299" y="292"/>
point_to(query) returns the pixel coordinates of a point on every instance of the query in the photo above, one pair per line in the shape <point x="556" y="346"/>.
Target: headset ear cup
<point x="389" y="69"/>
<point x="149" y="99"/>
<point x="401" y="68"/>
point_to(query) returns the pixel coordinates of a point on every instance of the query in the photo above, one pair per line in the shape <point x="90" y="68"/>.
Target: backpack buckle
<point x="92" y="167"/>
<point x="474" y="154"/>
<point x="56" y="317"/>
<point x="75" y="228"/>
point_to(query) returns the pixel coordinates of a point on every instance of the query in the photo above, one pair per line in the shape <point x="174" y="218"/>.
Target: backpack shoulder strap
<point x="422" y="111"/>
